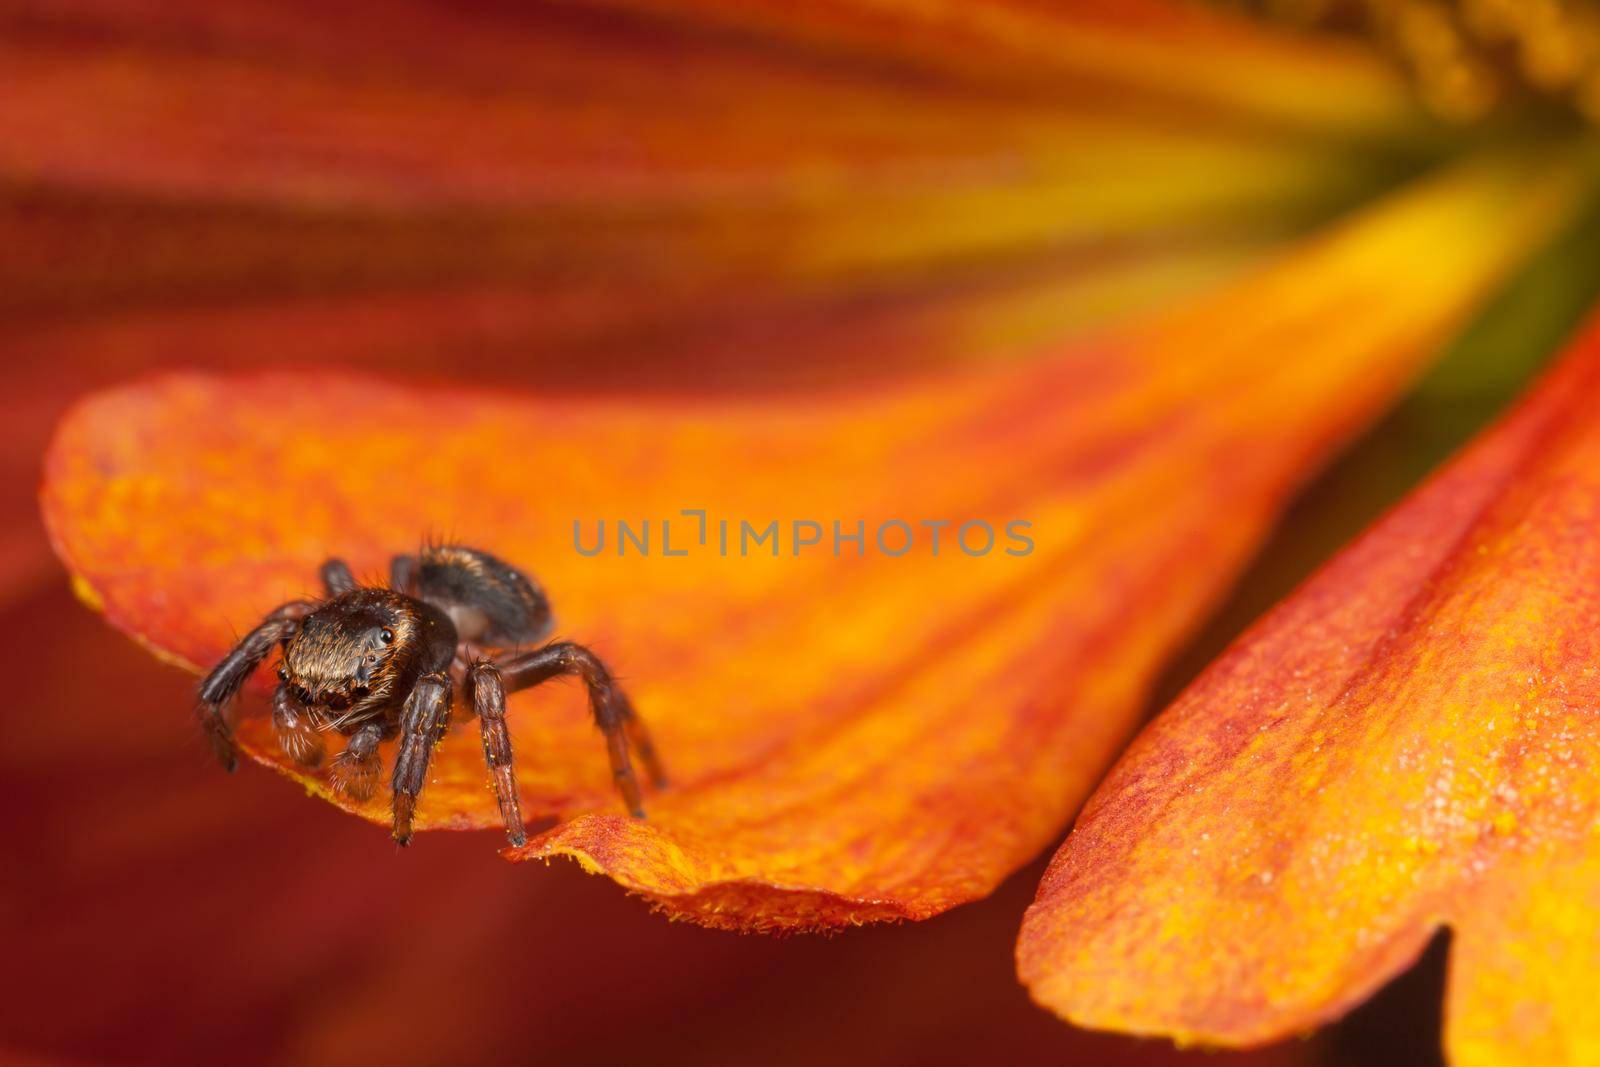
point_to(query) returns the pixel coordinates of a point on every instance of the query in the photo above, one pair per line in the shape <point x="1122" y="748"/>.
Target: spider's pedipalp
<point x="353" y="774"/>
<point x="228" y="677"/>
<point x="296" y="732"/>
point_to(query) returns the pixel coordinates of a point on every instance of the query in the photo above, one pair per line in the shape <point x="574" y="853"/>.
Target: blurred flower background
<point x="718" y="200"/>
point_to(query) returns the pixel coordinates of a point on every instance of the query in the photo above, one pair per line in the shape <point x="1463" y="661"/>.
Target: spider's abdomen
<point x="491" y="602"/>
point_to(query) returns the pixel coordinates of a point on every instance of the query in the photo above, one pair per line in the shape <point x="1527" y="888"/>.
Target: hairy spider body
<point x="362" y="652"/>
<point x="375" y="664"/>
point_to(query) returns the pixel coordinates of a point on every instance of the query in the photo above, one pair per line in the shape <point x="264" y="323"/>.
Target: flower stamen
<point x="1467" y="57"/>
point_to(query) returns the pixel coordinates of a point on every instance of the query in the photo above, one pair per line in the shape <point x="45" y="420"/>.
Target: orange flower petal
<point x="193" y="182"/>
<point x="1121" y="49"/>
<point x="222" y="184"/>
<point x="609" y="154"/>
<point x="1411" y="741"/>
<point x="124" y="848"/>
<point x="850" y="738"/>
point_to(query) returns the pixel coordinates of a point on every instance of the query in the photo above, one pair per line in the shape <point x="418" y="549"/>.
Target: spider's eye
<point x="283" y="674"/>
<point x="386" y="635"/>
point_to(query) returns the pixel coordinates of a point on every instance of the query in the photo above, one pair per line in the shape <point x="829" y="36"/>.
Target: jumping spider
<point x="374" y="663"/>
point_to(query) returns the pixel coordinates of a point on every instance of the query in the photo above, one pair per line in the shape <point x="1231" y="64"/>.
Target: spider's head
<point x="349" y="656"/>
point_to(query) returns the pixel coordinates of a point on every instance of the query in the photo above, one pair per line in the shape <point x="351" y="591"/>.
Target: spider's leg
<point x="336" y="577"/>
<point x="489" y="704"/>
<point x="426" y="710"/>
<point x="611" y="710"/>
<point x="297" y="736"/>
<point x="639" y="737"/>
<point x="403" y="575"/>
<point x="354" y="772"/>
<point x="227" y="677"/>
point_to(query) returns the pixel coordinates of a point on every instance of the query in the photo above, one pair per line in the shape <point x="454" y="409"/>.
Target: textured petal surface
<point x="651" y="195"/>
<point x="242" y="916"/>
<point x="596" y="153"/>
<point x="1411" y="741"/>
<point x="1138" y="49"/>
<point x="851" y="738"/>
